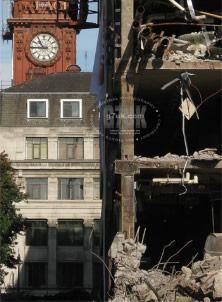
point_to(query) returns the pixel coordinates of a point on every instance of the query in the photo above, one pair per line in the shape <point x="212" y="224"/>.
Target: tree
<point x="11" y="223"/>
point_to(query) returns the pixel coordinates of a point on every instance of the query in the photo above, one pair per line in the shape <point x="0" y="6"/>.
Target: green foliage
<point x="11" y="223"/>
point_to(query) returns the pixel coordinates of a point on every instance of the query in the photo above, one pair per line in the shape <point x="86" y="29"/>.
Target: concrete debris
<point x="201" y="282"/>
<point x="206" y="154"/>
<point x="179" y="56"/>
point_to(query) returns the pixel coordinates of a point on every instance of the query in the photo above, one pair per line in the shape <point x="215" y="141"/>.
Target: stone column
<point x="52" y="148"/>
<point x="88" y="257"/>
<point x="52" y="254"/>
<point x="52" y="188"/>
<point x="88" y="148"/>
<point x="88" y="188"/>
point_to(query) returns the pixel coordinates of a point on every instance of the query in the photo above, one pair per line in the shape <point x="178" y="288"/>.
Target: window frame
<point x="30" y="267"/>
<point x="75" y="142"/>
<point x="70" y="179"/>
<point x="37" y="100"/>
<point x="40" y="149"/>
<point x="31" y="237"/>
<point x="26" y="187"/>
<point x="62" y="101"/>
<point x="76" y="242"/>
<point x="76" y="274"/>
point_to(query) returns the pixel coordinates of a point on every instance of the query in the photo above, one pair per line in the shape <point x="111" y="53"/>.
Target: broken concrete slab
<point x="201" y="282"/>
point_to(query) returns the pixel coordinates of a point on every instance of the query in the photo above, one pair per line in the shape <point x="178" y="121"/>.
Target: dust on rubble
<point x="202" y="282"/>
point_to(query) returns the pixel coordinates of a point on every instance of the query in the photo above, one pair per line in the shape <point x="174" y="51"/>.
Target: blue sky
<point x="85" y="47"/>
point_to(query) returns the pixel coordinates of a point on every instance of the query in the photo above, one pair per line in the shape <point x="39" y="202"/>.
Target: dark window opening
<point x="70" y="233"/>
<point x="37" y="233"/>
<point x="69" y="275"/>
<point x="36" y="274"/>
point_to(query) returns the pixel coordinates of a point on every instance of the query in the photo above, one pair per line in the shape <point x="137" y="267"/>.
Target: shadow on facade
<point x="74" y="275"/>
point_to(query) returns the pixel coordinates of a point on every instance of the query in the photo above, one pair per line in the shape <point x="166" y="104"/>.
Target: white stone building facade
<point x="52" y="140"/>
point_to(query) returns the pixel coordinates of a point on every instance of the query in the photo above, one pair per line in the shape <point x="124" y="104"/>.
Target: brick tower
<point x="44" y="36"/>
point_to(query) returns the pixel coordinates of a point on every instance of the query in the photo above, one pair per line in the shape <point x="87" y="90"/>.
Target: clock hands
<point x="42" y="47"/>
<point x="40" y="42"/>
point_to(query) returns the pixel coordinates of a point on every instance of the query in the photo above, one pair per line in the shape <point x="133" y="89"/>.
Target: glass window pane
<point x="96" y="232"/>
<point x="36" y="140"/>
<point x="71" y="109"/>
<point x="33" y="109"/>
<point x="69" y="140"/>
<point x="79" y="148"/>
<point x="67" y="109"/>
<point x="77" y="189"/>
<point x="35" y="191"/>
<point x="37" y="109"/>
<point x="70" y="233"/>
<point x="43" y="191"/>
<point x="37" y="233"/>
<point x="41" y="109"/>
<point x="70" y="188"/>
<point x="63" y="188"/>
<point x="37" y="148"/>
<point x="37" y="188"/>
<point x="69" y="275"/>
<point x="36" y="151"/>
<point x="75" y="109"/>
<point x="78" y="233"/>
<point x="62" y="148"/>
<point x="29" y="149"/>
<point x="43" y="149"/>
<point x="70" y="154"/>
<point x="36" y="274"/>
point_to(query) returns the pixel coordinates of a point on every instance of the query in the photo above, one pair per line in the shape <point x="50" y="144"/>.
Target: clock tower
<point x="44" y="36"/>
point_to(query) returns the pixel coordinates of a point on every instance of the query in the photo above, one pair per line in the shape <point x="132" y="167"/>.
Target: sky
<point x="85" y="48"/>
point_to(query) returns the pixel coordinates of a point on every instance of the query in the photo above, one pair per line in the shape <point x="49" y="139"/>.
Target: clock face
<point x="44" y="47"/>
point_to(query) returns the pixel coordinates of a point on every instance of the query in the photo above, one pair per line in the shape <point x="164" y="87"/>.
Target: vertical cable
<point x="185" y="142"/>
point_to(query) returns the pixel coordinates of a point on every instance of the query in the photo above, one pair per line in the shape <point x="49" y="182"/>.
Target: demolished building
<point x="161" y="124"/>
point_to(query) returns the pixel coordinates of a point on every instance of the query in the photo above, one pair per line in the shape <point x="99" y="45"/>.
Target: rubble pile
<point x="200" y="283"/>
<point x="206" y="154"/>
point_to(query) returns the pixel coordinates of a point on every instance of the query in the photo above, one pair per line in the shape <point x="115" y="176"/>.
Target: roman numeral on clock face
<point x="44" y="47"/>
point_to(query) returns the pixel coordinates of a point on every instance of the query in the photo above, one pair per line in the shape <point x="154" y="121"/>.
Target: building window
<point x="37" y="108"/>
<point x="96" y="188"/>
<point x="70" y="188"/>
<point x="69" y="275"/>
<point x="36" y="274"/>
<point x="70" y="148"/>
<point x="37" y="233"/>
<point x="97" y="273"/>
<point x="71" y="108"/>
<point x="70" y="233"/>
<point x="36" y="148"/>
<point x="37" y="188"/>
<point x="96" y="232"/>
<point x="96" y="151"/>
